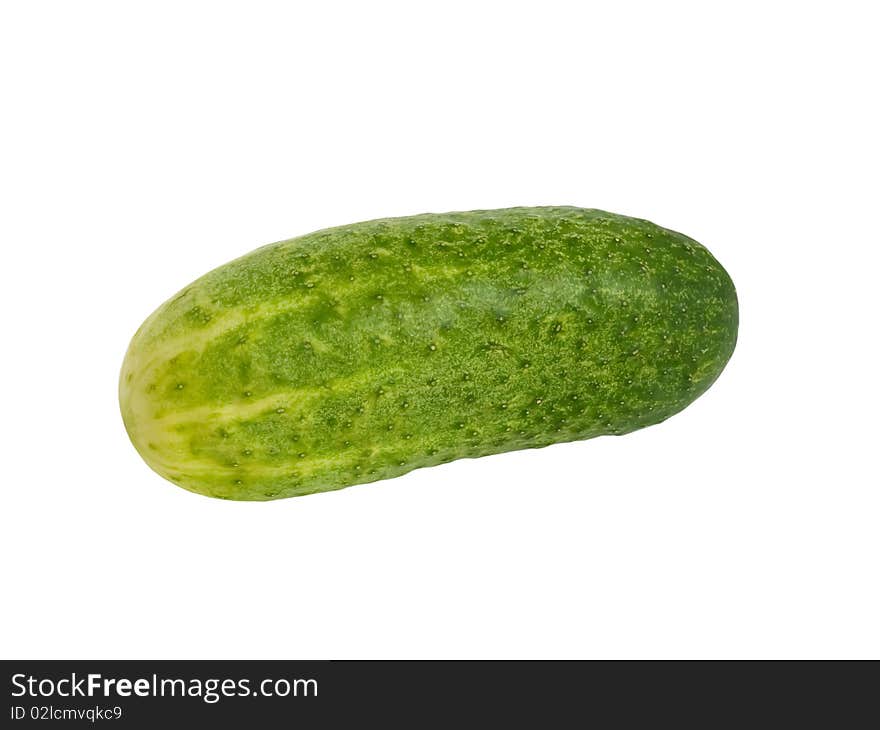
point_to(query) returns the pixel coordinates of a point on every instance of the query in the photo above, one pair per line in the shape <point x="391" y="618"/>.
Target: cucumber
<point x="363" y="352"/>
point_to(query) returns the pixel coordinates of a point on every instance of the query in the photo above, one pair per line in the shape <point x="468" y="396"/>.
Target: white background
<point x="145" y="143"/>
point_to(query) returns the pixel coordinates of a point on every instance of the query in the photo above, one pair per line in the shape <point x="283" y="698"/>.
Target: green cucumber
<point x="363" y="352"/>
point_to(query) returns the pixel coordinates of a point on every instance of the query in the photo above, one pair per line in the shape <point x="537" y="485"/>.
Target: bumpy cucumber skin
<point x="363" y="352"/>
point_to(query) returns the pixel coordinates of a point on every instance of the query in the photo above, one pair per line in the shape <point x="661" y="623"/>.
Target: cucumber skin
<point x="362" y="352"/>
